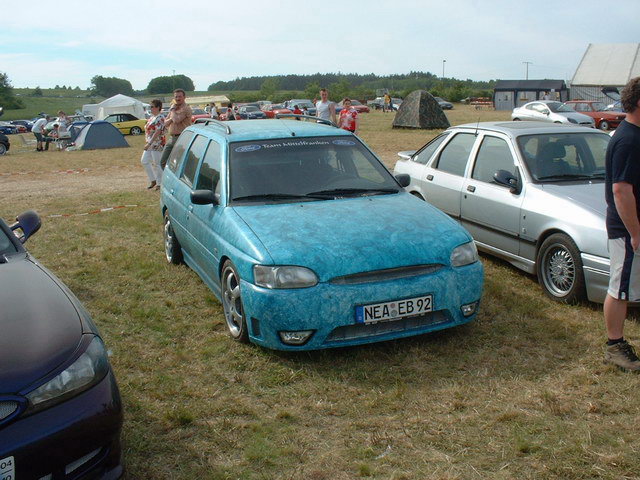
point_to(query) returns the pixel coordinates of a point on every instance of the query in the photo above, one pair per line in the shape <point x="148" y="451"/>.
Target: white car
<point x="551" y="111"/>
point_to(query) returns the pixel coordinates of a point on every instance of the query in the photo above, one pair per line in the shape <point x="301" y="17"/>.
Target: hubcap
<point x="232" y="301"/>
<point x="168" y="240"/>
<point x="559" y="270"/>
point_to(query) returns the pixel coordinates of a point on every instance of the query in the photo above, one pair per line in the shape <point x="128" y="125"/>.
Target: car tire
<point x="559" y="267"/>
<point x="3" y="149"/>
<point x="603" y="125"/>
<point x="172" y="249"/>
<point x="232" y="303"/>
<point x="135" y="131"/>
<point x="516" y="119"/>
<point x="557" y="121"/>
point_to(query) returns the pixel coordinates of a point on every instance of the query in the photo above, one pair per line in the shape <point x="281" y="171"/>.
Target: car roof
<point x="244" y="130"/>
<point x="516" y="129"/>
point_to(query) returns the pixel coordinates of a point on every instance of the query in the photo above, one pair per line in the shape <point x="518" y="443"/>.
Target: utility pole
<point x="443" y="62"/>
<point x="526" y="74"/>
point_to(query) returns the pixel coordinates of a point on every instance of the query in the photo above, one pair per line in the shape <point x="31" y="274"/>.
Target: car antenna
<point x="477" y="124"/>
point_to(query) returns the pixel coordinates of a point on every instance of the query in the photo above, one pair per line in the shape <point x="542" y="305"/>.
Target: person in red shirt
<point x="348" y="119"/>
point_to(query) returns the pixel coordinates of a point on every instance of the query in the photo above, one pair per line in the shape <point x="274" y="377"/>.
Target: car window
<point x="195" y="153"/>
<point x="209" y="174"/>
<point x="538" y="107"/>
<point x="580" y="107"/>
<point x="177" y="154"/>
<point x="493" y="155"/>
<point x="453" y="157"/>
<point x="305" y="166"/>
<point x="6" y="245"/>
<point x="429" y="149"/>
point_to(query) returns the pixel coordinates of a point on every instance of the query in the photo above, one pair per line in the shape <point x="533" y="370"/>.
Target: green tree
<point x="169" y="83"/>
<point x="268" y="88"/>
<point x="339" y="90"/>
<point x="37" y="92"/>
<point x="312" y="90"/>
<point x="8" y="99"/>
<point x="109" y="86"/>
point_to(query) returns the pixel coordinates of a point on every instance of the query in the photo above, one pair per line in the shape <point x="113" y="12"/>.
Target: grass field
<point x="521" y="393"/>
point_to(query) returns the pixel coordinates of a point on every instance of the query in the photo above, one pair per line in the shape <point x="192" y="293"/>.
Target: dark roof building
<point x="509" y="94"/>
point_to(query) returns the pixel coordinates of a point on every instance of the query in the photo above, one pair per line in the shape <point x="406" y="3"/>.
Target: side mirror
<point x="406" y="154"/>
<point x="546" y="112"/>
<point x="1" y="111"/>
<point x="203" y="197"/>
<point x="403" y="179"/>
<point x="27" y="223"/>
<point x="506" y="178"/>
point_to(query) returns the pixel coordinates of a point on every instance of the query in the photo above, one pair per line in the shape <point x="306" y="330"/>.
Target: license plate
<point x="381" y="312"/>
<point x="7" y="469"/>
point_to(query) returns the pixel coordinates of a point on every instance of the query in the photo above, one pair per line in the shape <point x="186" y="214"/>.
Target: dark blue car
<point x="60" y="410"/>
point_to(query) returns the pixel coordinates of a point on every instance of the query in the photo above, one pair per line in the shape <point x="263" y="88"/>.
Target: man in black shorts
<point x="622" y="192"/>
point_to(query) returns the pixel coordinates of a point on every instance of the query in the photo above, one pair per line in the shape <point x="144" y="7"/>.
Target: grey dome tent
<point x="97" y="135"/>
<point x="420" y="110"/>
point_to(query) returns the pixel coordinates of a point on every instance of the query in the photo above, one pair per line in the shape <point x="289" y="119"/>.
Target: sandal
<point x="151" y="185"/>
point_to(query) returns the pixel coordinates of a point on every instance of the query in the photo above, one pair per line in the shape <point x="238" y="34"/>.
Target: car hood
<point x="578" y="117"/>
<point x="587" y="195"/>
<point x="39" y="325"/>
<point x="353" y="235"/>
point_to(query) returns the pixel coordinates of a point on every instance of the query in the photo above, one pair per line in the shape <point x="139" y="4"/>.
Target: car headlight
<point x="283" y="276"/>
<point x="572" y="120"/>
<point x="464" y="254"/>
<point x="87" y="370"/>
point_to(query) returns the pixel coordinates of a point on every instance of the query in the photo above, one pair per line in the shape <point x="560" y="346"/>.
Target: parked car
<point x="604" y="120"/>
<point x="250" y="112"/>
<point x="614" y="107"/>
<point x="550" y="111"/>
<point x="378" y="103"/>
<point x="127" y="123"/>
<point x="275" y="109"/>
<point x="27" y="124"/>
<point x="8" y="129"/>
<point x="60" y="410"/>
<point x="529" y="192"/>
<point x="198" y="113"/>
<point x="4" y="144"/>
<point x="307" y="239"/>
<point x="302" y="103"/>
<point x="444" y="105"/>
<point x="360" y="108"/>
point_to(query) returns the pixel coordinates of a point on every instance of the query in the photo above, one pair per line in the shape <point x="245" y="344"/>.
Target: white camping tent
<point x="117" y="104"/>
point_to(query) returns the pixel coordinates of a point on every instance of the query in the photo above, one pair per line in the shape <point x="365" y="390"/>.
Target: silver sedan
<point x="530" y="193"/>
<point x="551" y="111"/>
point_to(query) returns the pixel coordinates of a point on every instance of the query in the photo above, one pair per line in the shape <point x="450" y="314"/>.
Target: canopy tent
<point x="219" y="100"/>
<point x="117" y="104"/>
<point x="420" y="110"/>
<point x="97" y="135"/>
<point x="606" y="66"/>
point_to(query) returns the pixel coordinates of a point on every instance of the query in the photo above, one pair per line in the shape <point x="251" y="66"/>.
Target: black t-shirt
<point x="623" y="165"/>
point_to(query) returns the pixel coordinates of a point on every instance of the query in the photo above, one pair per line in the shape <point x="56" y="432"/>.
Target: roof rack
<point x="306" y="117"/>
<point x="215" y="123"/>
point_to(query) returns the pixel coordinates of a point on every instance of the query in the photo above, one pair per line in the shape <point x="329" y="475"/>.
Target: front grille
<point x="387" y="274"/>
<point x="363" y="330"/>
<point x="7" y="408"/>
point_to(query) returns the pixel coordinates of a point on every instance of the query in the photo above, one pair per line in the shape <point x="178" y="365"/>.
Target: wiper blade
<point x="568" y="176"/>
<point x="351" y="191"/>
<point x="277" y="196"/>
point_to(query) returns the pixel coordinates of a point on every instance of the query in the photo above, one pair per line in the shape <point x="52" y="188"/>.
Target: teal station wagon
<point x="307" y="239"/>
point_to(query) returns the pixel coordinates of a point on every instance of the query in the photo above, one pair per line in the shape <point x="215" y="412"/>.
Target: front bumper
<point x="329" y="309"/>
<point x="52" y="441"/>
<point x="596" y="276"/>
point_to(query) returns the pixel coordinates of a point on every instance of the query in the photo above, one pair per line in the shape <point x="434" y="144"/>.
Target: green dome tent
<point x="97" y="135"/>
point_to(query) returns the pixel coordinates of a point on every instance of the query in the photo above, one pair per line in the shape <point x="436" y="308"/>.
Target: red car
<point x="198" y="113"/>
<point x="604" y="120"/>
<point x="360" y="108"/>
<point x="275" y="109"/>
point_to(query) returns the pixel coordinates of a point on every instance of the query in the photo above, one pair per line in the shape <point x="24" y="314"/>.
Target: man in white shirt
<point x="324" y="108"/>
<point x="38" y="130"/>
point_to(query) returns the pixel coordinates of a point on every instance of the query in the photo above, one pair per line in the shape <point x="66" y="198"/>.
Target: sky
<point x="212" y="40"/>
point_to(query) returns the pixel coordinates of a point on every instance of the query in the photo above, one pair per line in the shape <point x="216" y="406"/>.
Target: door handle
<point x="471" y="188"/>
<point x="429" y="177"/>
<point x="190" y="208"/>
<point x="171" y="191"/>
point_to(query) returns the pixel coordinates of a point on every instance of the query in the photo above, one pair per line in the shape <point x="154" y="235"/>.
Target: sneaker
<point x="151" y="185"/>
<point x="623" y="355"/>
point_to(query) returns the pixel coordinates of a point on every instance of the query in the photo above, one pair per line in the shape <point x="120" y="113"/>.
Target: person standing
<point x="386" y="103"/>
<point x="38" y="132"/>
<point x="155" y="140"/>
<point x="622" y="193"/>
<point x="325" y="109"/>
<point x="348" y="119"/>
<point x="178" y="119"/>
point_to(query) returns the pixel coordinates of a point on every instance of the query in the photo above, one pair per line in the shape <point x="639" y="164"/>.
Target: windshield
<point x="567" y="156"/>
<point x="305" y="169"/>
<point x="558" y="107"/>
<point x="6" y="246"/>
